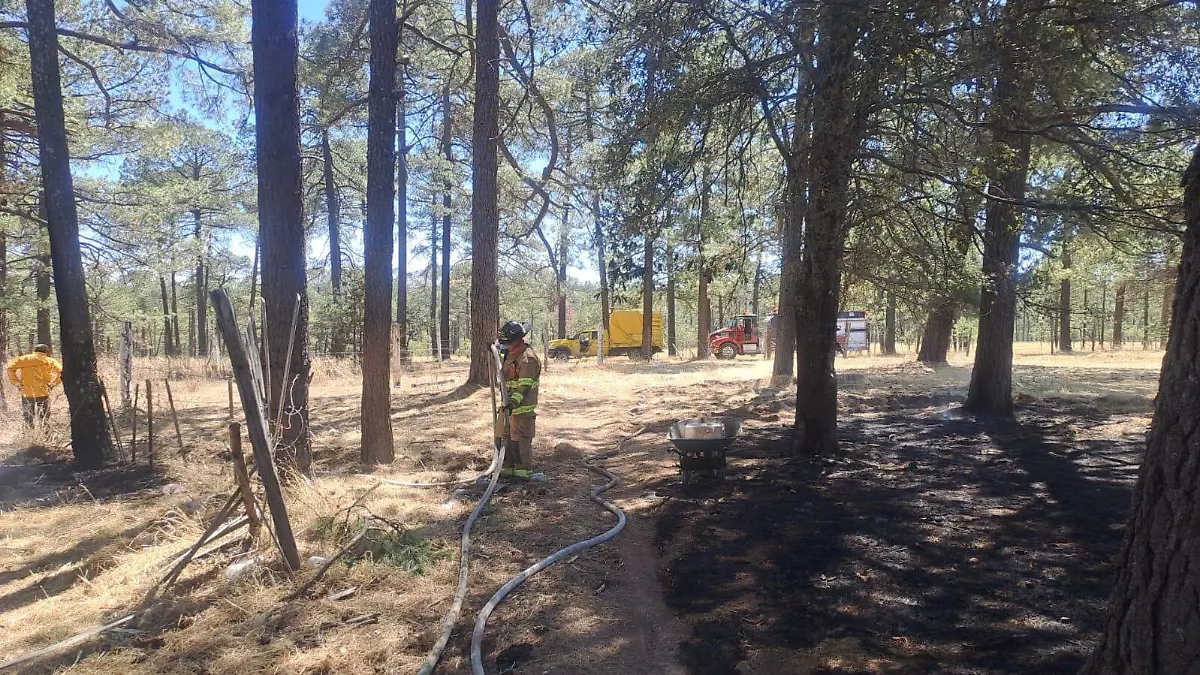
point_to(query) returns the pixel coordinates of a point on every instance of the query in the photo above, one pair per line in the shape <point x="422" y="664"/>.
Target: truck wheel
<point x="561" y="355"/>
<point x="728" y="351"/>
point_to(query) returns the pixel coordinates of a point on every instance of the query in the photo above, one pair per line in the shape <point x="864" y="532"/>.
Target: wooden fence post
<point x="150" y="423"/>
<point x="137" y="388"/>
<point x="175" y="419"/>
<point x="256" y="427"/>
<point x="243" y="477"/>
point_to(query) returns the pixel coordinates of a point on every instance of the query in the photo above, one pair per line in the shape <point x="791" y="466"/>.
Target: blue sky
<point x="312" y="10"/>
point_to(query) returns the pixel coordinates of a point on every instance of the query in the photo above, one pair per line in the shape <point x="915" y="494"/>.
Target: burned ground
<point x="940" y="543"/>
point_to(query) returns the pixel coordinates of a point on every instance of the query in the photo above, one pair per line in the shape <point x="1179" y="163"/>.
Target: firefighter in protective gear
<point x="35" y="374"/>
<point x="522" y="369"/>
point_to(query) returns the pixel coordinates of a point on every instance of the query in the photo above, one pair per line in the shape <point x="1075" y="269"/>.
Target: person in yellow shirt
<point x="35" y="374"/>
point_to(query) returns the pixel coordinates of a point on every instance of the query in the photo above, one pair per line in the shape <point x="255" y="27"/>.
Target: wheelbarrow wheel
<point x="687" y="477"/>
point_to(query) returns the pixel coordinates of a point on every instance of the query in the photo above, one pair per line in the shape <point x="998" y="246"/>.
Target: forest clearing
<point x="940" y="544"/>
<point x="697" y="337"/>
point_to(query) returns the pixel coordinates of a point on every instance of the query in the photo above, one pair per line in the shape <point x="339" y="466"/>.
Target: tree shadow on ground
<point x="939" y="544"/>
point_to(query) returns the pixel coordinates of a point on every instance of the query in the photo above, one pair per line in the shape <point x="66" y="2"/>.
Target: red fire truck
<point x="741" y="336"/>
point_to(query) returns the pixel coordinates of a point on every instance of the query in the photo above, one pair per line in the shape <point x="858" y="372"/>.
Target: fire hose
<point x="486" y="612"/>
<point x="435" y="652"/>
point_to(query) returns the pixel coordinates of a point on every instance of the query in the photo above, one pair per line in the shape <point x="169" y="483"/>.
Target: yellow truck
<point x="624" y="337"/>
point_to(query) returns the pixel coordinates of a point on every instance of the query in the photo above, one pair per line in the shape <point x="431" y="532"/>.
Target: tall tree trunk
<point x="376" y="419"/>
<point x="648" y="296"/>
<point x="1152" y="611"/>
<point x="889" y="326"/>
<point x="1064" y="302"/>
<point x="1103" y="320"/>
<point x="602" y="264"/>
<point x="671" y="349"/>
<point x="168" y="334"/>
<point x="90" y="441"/>
<point x="1164" y="327"/>
<point x="201" y="284"/>
<point x="1008" y="168"/>
<point x="434" y="238"/>
<point x="1146" y="316"/>
<point x="402" y="219"/>
<point x="1118" y="328"/>
<point x="273" y="39"/>
<point x="796" y="170"/>
<point x="935" y="339"/>
<point x="839" y="120"/>
<point x="703" y="302"/>
<point x="333" y="214"/>
<point x="448" y="154"/>
<point x="3" y="279"/>
<point x="175" y="315"/>
<point x="485" y="216"/>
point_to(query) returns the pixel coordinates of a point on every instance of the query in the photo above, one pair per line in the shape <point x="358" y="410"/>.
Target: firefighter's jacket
<point x="36" y="374"/>
<point x="521" y="373"/>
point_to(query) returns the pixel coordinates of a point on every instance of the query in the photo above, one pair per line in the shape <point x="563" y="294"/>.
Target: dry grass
<point x="71" y="559"/>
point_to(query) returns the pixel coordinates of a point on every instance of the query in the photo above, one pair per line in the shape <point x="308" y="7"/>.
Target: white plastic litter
<point x="239" y="569"/>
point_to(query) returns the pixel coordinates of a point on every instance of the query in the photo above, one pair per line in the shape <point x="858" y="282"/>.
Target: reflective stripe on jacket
<point x="36" y="374"/>
<point x="521" y="372"/>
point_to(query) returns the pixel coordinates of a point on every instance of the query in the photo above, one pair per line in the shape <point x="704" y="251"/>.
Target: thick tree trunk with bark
<point x="756" y="287"/>
<point x="789" y="278"/>
<point x="1154" y="619"/>
<point x="376" y="419"/>
<point x="1118" y="329"/>
<point x="90" y="442"/>
<point x="889" y="326"/>
<point x="839" y="116"/>
<point x="273" y="39"/>
<point x="647" y="296"/>
<point x="448" y="154"/>
<point x="402" y="221"/>
<point x="935" y="339"/>
<point x="1008" y="167"/>
<point x="485" y="216"/>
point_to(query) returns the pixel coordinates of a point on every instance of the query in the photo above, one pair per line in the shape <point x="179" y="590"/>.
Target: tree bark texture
<point x="376" y="419"/>
<point x="402" y="224"/>
<point x="1153" y="617"/>
<point x="447" y="186"/>
<point x="793" y="244"/>
<point x="935" y="339"/>
<point x="703" y="307"/>
<point x="273" y="39"/>
<point x="1008" y="167"/>
<point x="90" y="441"/>
<point x="601" y="264"/>
<point x="839" y="116"/>
<point x="434" y="238"/>
<point x="485" y="216"/>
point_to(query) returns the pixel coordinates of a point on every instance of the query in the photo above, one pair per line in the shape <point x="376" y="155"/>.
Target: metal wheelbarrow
<point x="701" y="445"/>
